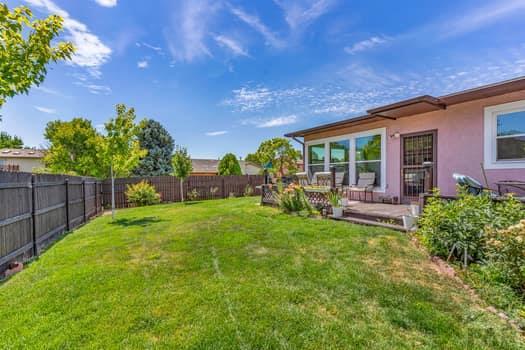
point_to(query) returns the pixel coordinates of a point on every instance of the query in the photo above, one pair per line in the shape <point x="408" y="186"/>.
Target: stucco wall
<point x="459" y="142"/>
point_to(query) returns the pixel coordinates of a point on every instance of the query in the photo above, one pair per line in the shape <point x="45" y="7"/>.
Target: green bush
<point x="292" y="199"/>
<point x="142" y="193"/>
<point x="453" y="227"/>
<point x="193" y="194"/>
<point x="248" y="191"/>
<point x="506" y="252"/>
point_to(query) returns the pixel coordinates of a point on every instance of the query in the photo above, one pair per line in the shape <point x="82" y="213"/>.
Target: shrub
<point x="248" y="191"/>
<point x="193" y="194"/>
<point x="214" y="190"/>
<point x="334" y="198"/>
<point x="453" y="227"/>
<point x="142" y="193"/>
<point x="292" y="199"/>
<point x="506" y="252"/>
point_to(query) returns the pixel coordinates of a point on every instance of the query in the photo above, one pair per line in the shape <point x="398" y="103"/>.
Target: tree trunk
<point x="181" y="190"/>
<point x="112" y="193"/>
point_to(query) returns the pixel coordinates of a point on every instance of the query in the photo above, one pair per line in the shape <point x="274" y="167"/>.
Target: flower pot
<point x="337" y="212"/>
<point x="409" y="222"/>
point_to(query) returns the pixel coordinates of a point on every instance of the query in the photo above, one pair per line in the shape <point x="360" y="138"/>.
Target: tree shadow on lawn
<point x="145" y="221"/>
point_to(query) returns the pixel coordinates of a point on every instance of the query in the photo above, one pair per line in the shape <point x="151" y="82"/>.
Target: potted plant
<point x="335" y="201"/>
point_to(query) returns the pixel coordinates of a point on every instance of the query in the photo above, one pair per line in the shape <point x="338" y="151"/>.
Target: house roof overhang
<point x="419" y="105"/>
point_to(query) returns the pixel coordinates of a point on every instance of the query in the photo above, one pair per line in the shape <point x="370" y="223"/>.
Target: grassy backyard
<point x="231" y="274"/>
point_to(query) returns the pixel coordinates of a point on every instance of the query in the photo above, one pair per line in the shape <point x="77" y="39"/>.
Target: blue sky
<point x="224" y="75"/>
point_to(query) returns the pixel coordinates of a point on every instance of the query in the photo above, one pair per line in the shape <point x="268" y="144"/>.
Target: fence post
<point x="222" y="188"/>
<point x="68" y="226"/>
<point x="33" y="214"/>
<point x="84" y="198"/>
<point x="96" y="198"/>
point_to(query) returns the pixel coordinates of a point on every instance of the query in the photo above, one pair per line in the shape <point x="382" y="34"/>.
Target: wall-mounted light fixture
<point x="396" y="135"/>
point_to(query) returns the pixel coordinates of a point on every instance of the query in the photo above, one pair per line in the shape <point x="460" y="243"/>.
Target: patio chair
<point x="365" y="184"/>
<point x="302" y="179"/>
<point x="339" y="178"/>
<point x="322" y="178"/>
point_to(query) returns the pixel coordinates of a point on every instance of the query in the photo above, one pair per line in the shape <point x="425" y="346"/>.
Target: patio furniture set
<point x="321" y="182"/>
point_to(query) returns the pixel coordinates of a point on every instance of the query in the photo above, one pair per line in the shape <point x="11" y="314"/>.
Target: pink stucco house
<point x="419" y="143"/>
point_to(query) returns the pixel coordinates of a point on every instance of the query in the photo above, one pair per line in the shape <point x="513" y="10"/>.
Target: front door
<point x="418" y="164"/>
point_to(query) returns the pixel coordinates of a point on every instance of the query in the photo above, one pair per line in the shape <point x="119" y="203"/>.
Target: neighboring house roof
<point x="420" y="104"/>
<point x="21" y="153"/>
<point x="205" y="165"/>
<point x="212" y="165"/>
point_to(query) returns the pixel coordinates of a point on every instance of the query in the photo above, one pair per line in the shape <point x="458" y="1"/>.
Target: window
<point x="315" y="159"/>
<point x="510" y="138"/>
<point x="351" y="155"/>
<point x="339" y="158"/>
<point x="368" y="156"/>
<point x="505" y="136"/>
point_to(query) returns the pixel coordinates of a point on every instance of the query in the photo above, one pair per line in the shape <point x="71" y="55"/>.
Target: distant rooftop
<point x="212" y="165"/>
<point x="21" y="153"/>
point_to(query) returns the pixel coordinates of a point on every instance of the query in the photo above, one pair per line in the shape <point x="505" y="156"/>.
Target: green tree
<point x="154" y="138"/>
<point x="8" y="141"/>
<point x="182" y="166"/>
<point x="26" y="49"/>
<point x="120" y="148"/>
<point x="279" y="153"/>
<point x="229" y="165"/>
<point x="73" y="147"/>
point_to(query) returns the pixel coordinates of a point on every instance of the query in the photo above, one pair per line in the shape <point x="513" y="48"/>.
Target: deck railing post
<point x="68" y="226"/>
<point x="33" y="214"/>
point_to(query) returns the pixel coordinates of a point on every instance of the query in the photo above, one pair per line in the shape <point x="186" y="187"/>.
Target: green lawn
<point x="229" y="274"/>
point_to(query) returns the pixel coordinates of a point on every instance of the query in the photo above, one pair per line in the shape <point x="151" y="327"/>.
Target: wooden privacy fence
<point x="36" y="208"/>
<point x="207" y="187"/>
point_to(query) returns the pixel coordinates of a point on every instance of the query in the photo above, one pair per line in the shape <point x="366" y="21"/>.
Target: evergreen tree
<point x="154" y="138"/>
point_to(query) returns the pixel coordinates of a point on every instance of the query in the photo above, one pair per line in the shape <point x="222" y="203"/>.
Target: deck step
<point x="360" y="221"/>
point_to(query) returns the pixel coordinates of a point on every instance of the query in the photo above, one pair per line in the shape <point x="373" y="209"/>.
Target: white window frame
<point x="490" y="136"/>
<point x="352" y="162"/>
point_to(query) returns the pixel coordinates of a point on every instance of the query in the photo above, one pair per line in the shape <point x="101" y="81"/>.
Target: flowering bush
<point x="142" y="193"/>
<point x="292" y="199"/>
<point x="459" y="226"/>
<point x="193" y="194"/>
<point x="506" y="252"/>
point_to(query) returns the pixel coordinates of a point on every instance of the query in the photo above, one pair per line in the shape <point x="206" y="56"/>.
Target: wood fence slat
<point x="40" y="207"/>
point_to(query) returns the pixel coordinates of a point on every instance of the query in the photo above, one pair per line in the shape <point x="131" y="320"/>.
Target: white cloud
<point x="301" y="13"/>
<point x="94" y="88"/>
<point x="271" y="122"/>
<point x="481" y="17"/>
<point x="216" y="133"/>
<point x="254" y="22"/>
<point x="187" y="37"/>
<point x="90" y="52"/>
<point x="45" y="110"/>
<point x="50" y="91"/>
<point x="142" y="64"/>
<point x="366" y="44"/>
<point x="231" y="44"/>
<point x="107" y="3"/>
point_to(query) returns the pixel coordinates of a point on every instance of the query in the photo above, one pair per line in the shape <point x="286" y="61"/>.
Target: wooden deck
<point x="376" y="214"/>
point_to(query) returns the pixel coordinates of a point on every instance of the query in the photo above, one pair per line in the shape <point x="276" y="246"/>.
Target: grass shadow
<point x="192" y="203"/>
<point x="145" y="221"/>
